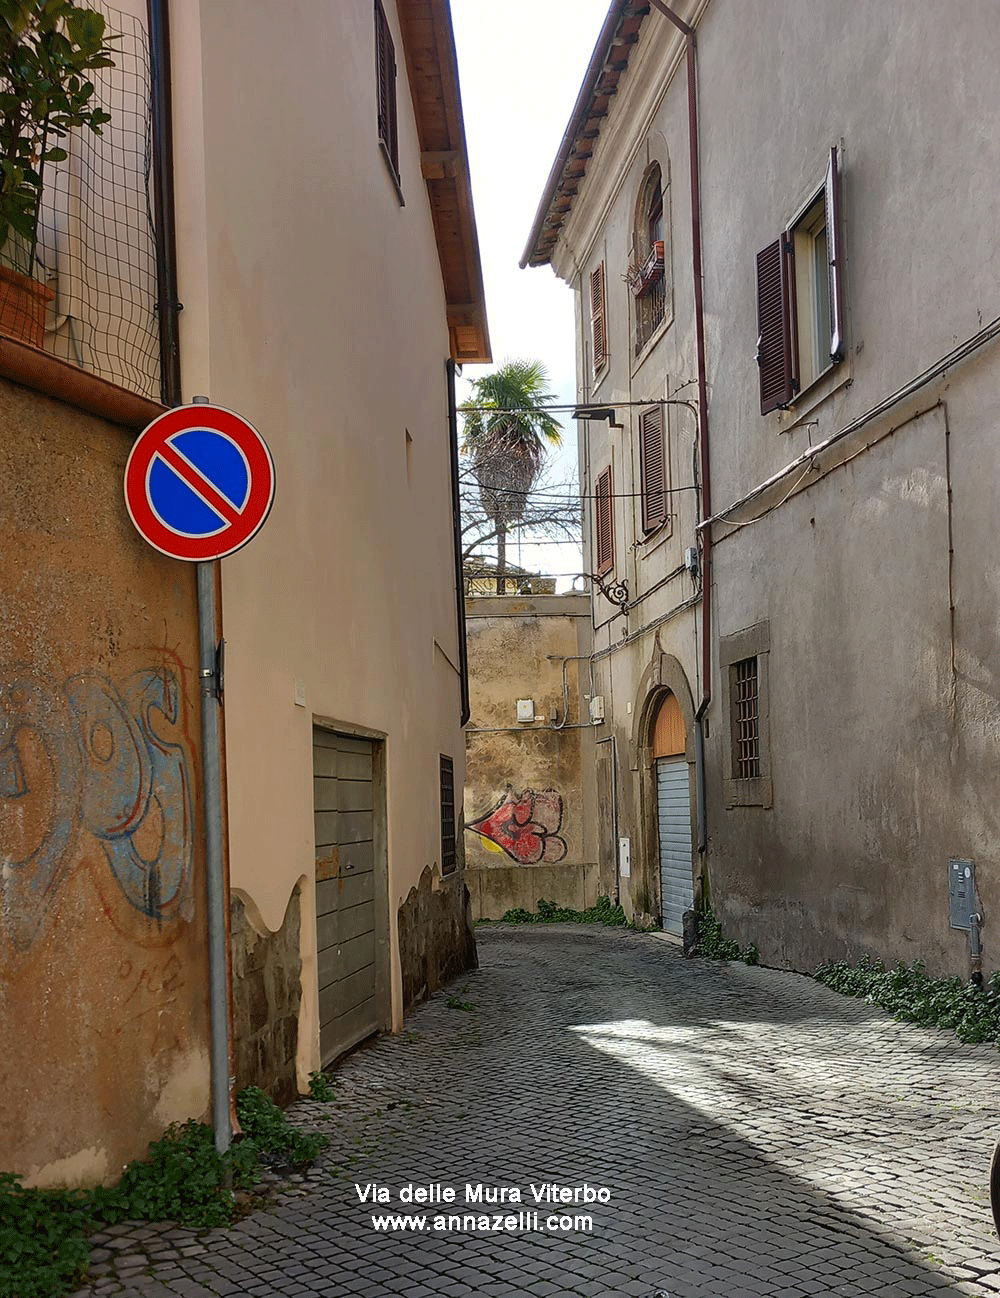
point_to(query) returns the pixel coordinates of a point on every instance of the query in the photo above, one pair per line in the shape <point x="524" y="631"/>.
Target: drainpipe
<point x="456" y="514"/>
<point x="163" y="203"/>
<point x="975" y="951"/>
<point x="705" y="496"/>
<point x="614" y="811"/>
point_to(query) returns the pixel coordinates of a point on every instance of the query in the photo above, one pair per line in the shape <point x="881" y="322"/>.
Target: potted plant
<point x="642" y="278"/>
<point x="48" y="51"/>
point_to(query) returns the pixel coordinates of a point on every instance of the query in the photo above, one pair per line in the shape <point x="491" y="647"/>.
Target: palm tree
<point x="507" y="428"/>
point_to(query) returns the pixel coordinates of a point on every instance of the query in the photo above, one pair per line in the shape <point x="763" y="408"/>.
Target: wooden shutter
<point x="604" y="523"/>
<point x="385" y="70"/>
<point x="774" y="325"/>
<point x="653" y="468"/>
<point x="598" y="318"/>
<point x="835" y="252"/>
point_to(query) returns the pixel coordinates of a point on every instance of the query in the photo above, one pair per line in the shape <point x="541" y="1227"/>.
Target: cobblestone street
<point x="759" y="1135"/>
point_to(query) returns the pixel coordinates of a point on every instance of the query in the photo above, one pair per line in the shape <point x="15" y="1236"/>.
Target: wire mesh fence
<point x="86" y="292"/>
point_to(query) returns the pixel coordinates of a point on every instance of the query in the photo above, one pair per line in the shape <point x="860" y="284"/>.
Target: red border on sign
<point x="247" y="522"/>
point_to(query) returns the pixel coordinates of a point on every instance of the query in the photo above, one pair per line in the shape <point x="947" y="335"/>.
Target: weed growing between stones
<point x="43" y="1233"/>
<point x="321" y="1088"/>
<point x="713" y="945"/>
<point x="912" y="996"/>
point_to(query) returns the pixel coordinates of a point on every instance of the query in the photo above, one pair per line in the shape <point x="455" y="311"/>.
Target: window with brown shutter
<point x="385" y="73"/>
<point x="800" y="313"/>
<point x="604" y="523"/>
<point x="598" y="319"/>
<point x="774" y="326"/>
<point x="653" y="468"/>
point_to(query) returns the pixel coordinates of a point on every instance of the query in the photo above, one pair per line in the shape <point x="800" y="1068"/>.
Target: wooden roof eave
<point x="608" y="61"/>
<point x="432" y="71"/>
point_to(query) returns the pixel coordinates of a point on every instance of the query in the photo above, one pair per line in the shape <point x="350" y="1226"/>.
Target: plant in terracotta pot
<point x="48" y="51"/>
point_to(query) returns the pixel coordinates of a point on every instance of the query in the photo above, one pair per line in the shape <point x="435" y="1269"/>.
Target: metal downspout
<point x="456" y="510"/>
<point x="163" y="203"/>
<point x="217" y="875"/>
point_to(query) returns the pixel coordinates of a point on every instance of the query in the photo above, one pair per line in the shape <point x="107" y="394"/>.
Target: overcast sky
<point x="521" y="63"/>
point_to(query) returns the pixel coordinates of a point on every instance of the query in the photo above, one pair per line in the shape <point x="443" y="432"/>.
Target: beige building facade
<point x="819" y="287"/>
<point x="324" y="293"/>
<point x="309" y="205"/>
<point x="530" y="793"/>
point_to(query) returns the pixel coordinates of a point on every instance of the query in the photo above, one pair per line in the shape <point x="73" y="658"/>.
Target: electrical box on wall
<point x="597" y="709"/>
<point x="525" y="710"/>
<point x="962" y="892"/>
<point x="624" y="858"/>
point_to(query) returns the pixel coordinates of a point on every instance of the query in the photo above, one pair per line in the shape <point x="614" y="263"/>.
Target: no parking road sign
<point x="199" y="483"/>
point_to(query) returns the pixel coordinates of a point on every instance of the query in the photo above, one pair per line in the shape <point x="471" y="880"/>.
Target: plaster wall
<point x="103" y="964"/>
<point x="322" y="319"/>
<point x="530" y="805"/>
<point x="878" y="579"/>
<point x="647" y="125"/>
<point x="874" y="571"/>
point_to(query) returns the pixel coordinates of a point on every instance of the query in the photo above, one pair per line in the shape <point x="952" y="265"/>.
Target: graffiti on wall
<point x="525" y="826"/>
<point x="93" y="756"/>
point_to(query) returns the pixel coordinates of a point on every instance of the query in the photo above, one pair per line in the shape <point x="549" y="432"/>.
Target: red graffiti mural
<point x="526" y="825"/>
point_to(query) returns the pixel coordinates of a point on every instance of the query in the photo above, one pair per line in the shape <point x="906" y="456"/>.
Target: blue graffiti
<point x="90" y="755"/>
<point x="40" y="781"/>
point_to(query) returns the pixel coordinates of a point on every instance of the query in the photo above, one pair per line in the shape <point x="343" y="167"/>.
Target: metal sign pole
<point x="193" y="468"/>
<point x="215" y="884"/>
<point x="215" y="887"/>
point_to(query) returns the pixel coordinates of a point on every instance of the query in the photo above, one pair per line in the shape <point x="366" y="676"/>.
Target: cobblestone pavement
<point x="759" y="1135"/>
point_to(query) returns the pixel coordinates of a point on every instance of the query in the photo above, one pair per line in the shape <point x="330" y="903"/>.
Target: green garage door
<point x="345" y="906"/>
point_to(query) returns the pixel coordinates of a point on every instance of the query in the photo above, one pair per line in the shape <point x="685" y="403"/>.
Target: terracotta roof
<point x="609" y="60"/>
<point x="432" y="68"/>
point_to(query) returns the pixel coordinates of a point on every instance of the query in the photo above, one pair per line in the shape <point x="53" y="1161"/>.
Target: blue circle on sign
<point x="179" y="503"/>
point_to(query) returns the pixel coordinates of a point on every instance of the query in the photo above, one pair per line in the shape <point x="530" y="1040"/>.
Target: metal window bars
<point x="746" y="719"/>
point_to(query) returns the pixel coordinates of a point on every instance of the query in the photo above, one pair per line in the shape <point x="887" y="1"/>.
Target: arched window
<point x="649" y="274"/>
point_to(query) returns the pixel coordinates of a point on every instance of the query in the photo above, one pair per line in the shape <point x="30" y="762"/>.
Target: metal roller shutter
<point x="674" y="814"/>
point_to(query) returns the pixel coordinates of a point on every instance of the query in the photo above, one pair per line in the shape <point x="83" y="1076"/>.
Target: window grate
<point x="650" y="311"/>
<point x="448" y="858"/>
<point x="746" y="719"/>
<point x="385" y="73"/>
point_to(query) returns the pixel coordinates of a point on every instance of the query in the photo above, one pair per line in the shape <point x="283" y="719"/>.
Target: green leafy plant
<point x="43" y="1246"/>
<point x="456" y="1003"/>
<point x="270" y="1131"/>
<point x="43" y="1233"/>
<point x="912" y="996"/>
<point x="321" y="1088"/>
<point x="603" y="912"/>
<point x="48" y="49"/>
<point x="183" y="1179"/>
<point x="712" y="944"/>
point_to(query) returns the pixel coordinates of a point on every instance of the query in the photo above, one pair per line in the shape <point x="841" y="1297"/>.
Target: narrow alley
<point x="757" y="1134"/>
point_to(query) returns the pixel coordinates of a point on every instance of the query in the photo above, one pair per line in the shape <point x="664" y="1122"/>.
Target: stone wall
<point x="266" y="994"/>
<point x="436" y="938"/>
<point x="530" y="796"/>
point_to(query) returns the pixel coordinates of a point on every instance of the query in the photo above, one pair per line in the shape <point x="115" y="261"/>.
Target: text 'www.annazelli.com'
<point x="485" y="1223"/>
<point x="470" y="1217"/>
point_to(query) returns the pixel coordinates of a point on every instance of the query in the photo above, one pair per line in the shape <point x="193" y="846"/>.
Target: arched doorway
<point x="673" y="807"/>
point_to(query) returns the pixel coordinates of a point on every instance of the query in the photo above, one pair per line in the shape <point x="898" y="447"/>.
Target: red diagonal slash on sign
<point x="239" y="524"/>
<point x="199" y="484"/>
